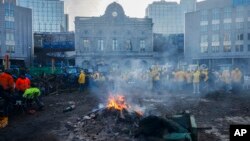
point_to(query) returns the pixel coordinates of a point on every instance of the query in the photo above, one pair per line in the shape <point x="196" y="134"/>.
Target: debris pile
<point x="105" y="124"/>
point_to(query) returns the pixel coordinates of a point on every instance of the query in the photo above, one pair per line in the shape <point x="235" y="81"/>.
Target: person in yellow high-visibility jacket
<point x="236" y="76"/>
<point x="196" y="81"/>
<point x="81" y="81"/>
<point x="226" y="79"/>
<point x="32" y="95"/>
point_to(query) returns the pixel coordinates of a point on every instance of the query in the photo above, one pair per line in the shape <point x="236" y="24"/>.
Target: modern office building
<point x="240" y="2"/>
<point x="15" y="33"/>
<point x="169" y="17"/>
<point x="218" y="33"/>
<point x="48" y="15"/>
<point x="113" y="39"/>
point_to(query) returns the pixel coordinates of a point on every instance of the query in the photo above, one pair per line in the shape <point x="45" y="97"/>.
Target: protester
<point x="6" y="92"/>
<point x="236" y="75"/>
<point x="81" y="81"/>
<point x="196" y="81"/>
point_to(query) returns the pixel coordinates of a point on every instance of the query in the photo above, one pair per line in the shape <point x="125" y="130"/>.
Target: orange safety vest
<point x="22" y="84"/>
<point x="7" y="81"/>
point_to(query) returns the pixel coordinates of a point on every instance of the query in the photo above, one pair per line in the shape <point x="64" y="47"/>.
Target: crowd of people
<point x="162" y="79"/>
<point x="17" y="92"/>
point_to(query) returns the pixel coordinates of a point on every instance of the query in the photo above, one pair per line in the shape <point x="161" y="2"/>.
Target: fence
<point x="36" y="71"/>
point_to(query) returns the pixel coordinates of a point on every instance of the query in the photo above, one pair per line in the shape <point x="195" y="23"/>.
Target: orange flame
<point x="117" y="102"/>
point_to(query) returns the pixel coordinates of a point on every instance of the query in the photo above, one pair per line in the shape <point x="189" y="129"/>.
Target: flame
<point x="117" y="102"/>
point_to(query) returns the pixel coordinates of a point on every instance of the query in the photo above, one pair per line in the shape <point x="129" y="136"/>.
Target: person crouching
<point x="32" y="95"/>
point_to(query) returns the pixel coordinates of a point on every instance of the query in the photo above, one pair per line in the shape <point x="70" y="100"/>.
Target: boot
<point x="3" y="122"/>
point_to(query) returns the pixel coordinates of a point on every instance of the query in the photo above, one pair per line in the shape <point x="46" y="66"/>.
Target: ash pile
<point x="116" y="121"/>
<point x="119" y="122"/>
<point x="106" y="124"/>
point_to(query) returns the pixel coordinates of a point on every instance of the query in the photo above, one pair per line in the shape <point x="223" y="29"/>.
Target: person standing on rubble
<point x="236" y="75"/>
<point x="196" y="81"/>
<point x="6" y="89"/>
<point x="81" y="81"/>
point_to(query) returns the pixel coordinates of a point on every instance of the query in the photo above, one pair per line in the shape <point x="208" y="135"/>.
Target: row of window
<point x="226" y="48"/>
<point x="86" y="32"/>
<point x="226" y="37"/>
<point x="115" y="45"/>
<point x="9" y="48"/>
<point x="227" y="13"/>
<point x="226" y="26"/>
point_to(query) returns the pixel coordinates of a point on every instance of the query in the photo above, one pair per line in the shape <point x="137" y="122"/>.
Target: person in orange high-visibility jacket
<point x="6" y="89"/>
<point x="22" y="83"/>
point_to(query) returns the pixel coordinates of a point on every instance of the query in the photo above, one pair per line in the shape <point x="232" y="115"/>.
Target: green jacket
<point x="31" y="93"/>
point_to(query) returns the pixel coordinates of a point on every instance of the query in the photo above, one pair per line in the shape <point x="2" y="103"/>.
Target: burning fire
<point x="117" y="102"/>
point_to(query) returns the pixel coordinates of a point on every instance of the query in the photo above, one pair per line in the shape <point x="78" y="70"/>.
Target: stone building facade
<point x="113" y="39"/>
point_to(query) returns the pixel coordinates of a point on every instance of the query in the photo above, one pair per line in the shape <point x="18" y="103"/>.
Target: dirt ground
<point x="216" y="111"/>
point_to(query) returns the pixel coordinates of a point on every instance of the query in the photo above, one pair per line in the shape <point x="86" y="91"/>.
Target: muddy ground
<point x="216" y="111"/>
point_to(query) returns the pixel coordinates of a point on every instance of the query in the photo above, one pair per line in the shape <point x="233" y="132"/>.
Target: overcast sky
<point x="132" y="8"/>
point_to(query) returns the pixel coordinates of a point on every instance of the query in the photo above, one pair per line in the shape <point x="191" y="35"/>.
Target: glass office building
<point x="48" y="15"/>
<point x="240" y="2"/>
<point x="15" y="34"/>
<point x="168" y="17"/>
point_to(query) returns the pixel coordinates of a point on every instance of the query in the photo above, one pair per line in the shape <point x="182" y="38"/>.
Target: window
<point x="204" y="38"/>
<point x="216" y="14"/>
<point x="114" y="45"/>
<point x="86" y="31"/>
<point x="227" y="37"/>
<point x="240" y="37"/>
<point x="10" y="49"/>
<point x="240" y="25"/>
<point x="248" y="23"/>
<point x="215" y="38"/>
<point x="227" y="26"/>
<point x="204" y="28"/>
<point x="128" y="45"/>
<point x="227" y="48"/>
<point x="86" y="44"/>
<point x="215" y="27"/>
<point x="9" y="36"/>
<point x="9" y="25"/>
<point x="142" y="45"/>
<point x="204" y="49"/>
<point x="239" y="48"/>
<point x="227" y="13"/>
<point x="215" y="49"/>
<point x="100" y="45"/>
<point x="248" y="36"/>
<point x="204" y="15"/>
<point x="248" y="48"/>
<point x="9" y="10"/>
<point x="239" y="12"/>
